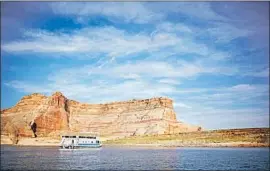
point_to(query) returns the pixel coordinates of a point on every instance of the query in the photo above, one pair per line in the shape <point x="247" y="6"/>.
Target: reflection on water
<point x="135" y="158"/>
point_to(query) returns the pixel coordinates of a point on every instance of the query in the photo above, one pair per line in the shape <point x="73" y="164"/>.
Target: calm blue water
<point x="135" y="158"/>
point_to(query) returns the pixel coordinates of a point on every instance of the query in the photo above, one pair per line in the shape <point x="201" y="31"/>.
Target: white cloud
<point x="108" y="40"/>
<point x="137" y="80"/>
<point x="130" y="76"/>
<point x="224" y="32"/>
<point x="181" y="105"/>
<point x="27" y="88"/>
<point x="170" y="81"/>
<point x="247" y="89"/>
<point x="124" y="11"/>
<point x="147" y="69"/>
<point x="220" y="27"/>
<point x="220" y="118"/>
<point x="174" y="27"/>
<point x="200" y="10"/>
<point x="240" y="95"/>
<point x="98" y="92"/>
<point x="260" y="73"/>
<point x="95" y="42"/>
<point x="137" y="12"/>
<point x="242" y="87"/>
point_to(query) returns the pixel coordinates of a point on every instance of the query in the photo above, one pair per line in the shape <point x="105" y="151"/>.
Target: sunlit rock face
<point x="55" y="117"/>
<point x="55" y="114"/>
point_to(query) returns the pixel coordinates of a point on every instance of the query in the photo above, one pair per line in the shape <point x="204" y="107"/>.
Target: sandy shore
<point x="231" y="144"/>
<point x="38" y="142"/>
<point x="55" y="142"/>
<point x="31" y="141"/>
<point x="249" y="137"/>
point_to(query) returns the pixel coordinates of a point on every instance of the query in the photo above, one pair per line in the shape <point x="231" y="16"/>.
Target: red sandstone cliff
<point x="49" y="116"/>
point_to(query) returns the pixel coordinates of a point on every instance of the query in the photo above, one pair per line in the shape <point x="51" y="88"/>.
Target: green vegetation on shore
<point x="253" y="136"/>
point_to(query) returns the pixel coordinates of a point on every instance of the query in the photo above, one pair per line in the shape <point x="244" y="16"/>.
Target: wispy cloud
<point x="141" y="79"/>
<point x="108" y="40"/>
<point x="26" y="87"/>
<point x="174" y="27"/>
<point x="224" y="32"/>
<point x="258" y="73"/>
<point x="170" y="81"/>
<point x="217" y="118"/>
<point x="181" y="105"/>
<point x="124" y="11"/>
<point x="189" y="9"/>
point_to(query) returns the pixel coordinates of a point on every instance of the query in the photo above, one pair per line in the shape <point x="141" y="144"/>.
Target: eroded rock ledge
<point x="42" y="116"/>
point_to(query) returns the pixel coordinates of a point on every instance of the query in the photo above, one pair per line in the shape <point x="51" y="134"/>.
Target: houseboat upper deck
<point x="83" y="140"/>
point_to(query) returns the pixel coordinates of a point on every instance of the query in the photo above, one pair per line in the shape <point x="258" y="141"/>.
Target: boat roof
<point x="80" y="134"/>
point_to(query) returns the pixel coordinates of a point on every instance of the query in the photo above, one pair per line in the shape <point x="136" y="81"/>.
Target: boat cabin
<point x="75" y="141"/>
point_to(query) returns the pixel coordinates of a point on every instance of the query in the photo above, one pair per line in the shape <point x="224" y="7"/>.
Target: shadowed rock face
<point x="52" y="115"/>
<point x="34" y="128"/>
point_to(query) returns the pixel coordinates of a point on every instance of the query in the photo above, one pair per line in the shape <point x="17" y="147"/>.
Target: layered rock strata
<point x="41" y="116"/>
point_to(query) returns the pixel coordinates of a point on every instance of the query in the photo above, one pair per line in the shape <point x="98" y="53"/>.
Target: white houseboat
<point x="80" y="141"/>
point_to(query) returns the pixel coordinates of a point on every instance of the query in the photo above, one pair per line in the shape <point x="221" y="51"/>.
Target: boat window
<point x="86" y="137"/>
<point x="91" y="137"/>
<point x="97" y="141"/>
<point x="91" y="142"/>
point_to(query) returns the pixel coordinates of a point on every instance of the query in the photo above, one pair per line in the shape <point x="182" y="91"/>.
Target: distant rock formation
<point x="38" y="115"/>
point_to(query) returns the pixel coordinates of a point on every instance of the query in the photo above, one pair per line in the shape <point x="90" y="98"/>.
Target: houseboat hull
<point x="81" y="146"/>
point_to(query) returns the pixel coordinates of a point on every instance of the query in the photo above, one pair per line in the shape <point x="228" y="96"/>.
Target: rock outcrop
<point x="38" y="115"/>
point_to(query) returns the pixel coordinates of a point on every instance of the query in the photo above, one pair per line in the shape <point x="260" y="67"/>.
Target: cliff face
<point x="38" y="115"/>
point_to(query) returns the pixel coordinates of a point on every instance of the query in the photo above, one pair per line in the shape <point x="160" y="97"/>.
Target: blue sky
<point x="211" y="58"/>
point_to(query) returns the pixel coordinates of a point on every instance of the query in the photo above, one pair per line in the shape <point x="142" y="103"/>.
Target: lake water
<point x="134" y="158"/>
